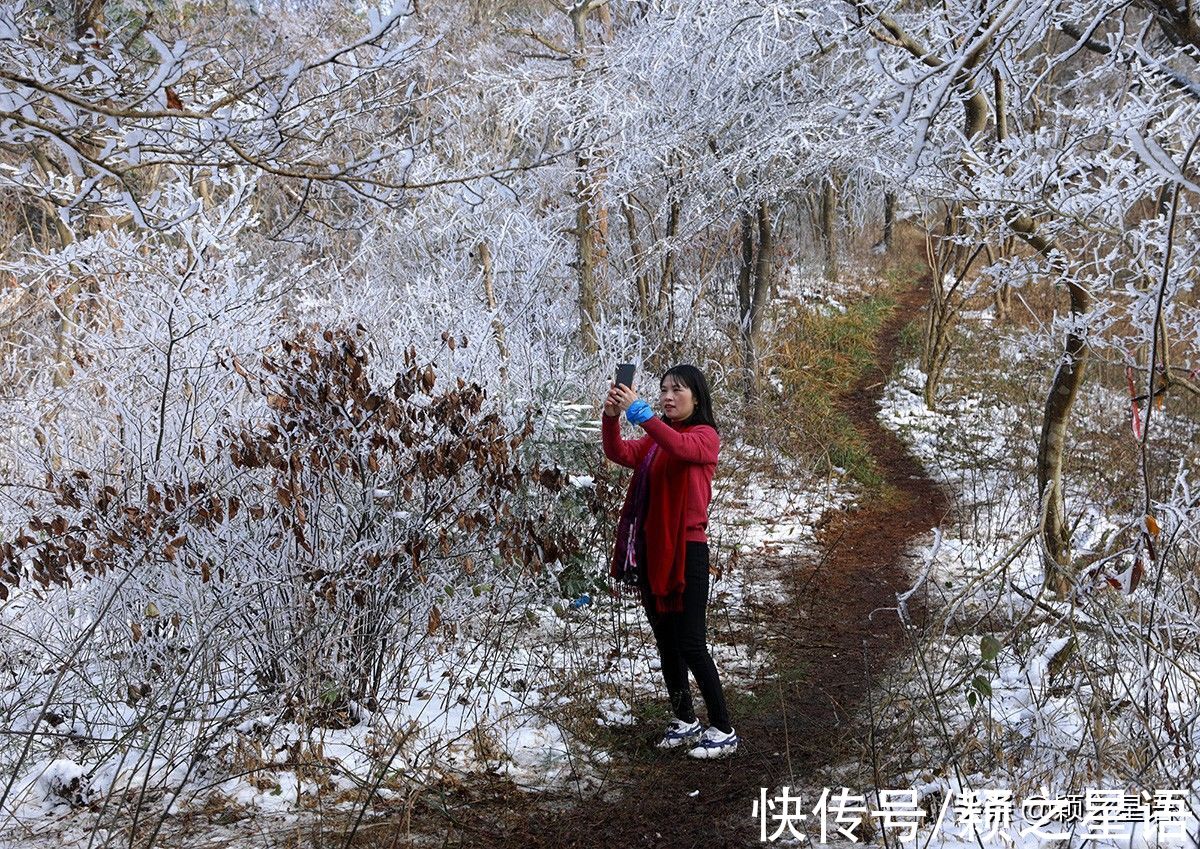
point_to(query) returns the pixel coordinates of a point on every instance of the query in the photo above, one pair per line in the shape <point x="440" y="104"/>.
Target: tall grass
<point x="822" y="353"/>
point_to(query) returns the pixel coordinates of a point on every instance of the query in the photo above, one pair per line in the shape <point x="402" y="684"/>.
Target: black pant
<point x="681" y="643"/>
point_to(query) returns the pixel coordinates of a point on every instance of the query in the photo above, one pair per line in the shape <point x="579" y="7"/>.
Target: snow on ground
<point x="512" y="693"/>
<point x="775" y="517"/>
<point x="966" y="447"/>
<point x="1013" y="714"/>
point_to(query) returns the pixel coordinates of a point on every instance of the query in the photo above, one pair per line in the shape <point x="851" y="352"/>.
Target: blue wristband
<point x="638" y="412"/>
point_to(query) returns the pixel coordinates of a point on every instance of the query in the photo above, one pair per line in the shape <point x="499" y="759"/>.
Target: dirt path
<point x="827" y="643"/>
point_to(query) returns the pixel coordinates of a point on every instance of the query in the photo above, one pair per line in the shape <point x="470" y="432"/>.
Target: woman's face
<point x="676" y="399"/>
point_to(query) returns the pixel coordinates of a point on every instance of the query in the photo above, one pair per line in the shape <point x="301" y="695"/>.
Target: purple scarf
<point x="630" y="556"/>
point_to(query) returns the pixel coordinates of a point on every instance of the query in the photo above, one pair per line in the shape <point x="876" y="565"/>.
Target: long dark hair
<point x="693" y="379"/>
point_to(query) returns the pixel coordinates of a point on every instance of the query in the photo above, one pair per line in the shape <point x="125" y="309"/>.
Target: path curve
<point x="826" y="646"/>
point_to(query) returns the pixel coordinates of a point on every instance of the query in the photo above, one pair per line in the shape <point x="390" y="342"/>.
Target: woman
<point x="661" y="544"/>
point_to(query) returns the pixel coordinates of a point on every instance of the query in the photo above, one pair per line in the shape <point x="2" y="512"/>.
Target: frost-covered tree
<point x="706" y="121"/>
<point x="102" y="105"/>
<point x="1070" y="127"/>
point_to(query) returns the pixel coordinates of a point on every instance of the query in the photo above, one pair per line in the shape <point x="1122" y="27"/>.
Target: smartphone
<point x="625" y="374"/>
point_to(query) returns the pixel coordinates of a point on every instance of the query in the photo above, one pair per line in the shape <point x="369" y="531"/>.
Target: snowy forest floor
<point x="832" y="633"/>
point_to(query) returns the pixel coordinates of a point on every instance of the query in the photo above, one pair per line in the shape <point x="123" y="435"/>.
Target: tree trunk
<point x="489" y="292"/>
<point x="762" y="275"/>
<point x="755" y="277"/>
<point x="1003" y="302"/>
<point x="65" y="303"/>
<point x="640" y="275"/>
<point x="940" y="263"/>
<point x="588" y="301"/>
<point x="666" y="283"/>
<point x="1068" y="377"/>
<point x="829" y="202"/>
<point x="606" y="21"/>
<point x="745" y="276"/>
<point x="1003" y="299"/>
<point x="590" y="222"/>
<point x="889" y="220"/>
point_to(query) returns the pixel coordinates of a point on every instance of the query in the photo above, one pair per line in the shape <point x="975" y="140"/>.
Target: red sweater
<point x="680" y="490"/>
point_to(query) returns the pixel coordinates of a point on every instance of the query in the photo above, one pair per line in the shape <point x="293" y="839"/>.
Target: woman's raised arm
<point x="623" y="452"/>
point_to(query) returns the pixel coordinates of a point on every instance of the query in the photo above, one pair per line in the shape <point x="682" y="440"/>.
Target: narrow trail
<point x="833" y="635"/>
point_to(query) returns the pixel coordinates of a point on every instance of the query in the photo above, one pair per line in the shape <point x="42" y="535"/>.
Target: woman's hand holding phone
<point x="624" y="396"/>
<point x="618" y="399"/>
<point x="610" y="403"/>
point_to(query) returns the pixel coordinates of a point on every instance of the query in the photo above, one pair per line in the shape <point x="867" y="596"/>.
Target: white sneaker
<point x="714" y="743"/>
<point x="678" y="733"/>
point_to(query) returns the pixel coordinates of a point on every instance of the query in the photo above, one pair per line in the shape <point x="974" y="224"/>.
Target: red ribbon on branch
<point x="1135" y="410"/>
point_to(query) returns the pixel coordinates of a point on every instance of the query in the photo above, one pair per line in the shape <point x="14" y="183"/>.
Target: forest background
<point x="306" y="310"/>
